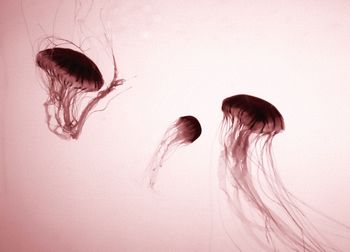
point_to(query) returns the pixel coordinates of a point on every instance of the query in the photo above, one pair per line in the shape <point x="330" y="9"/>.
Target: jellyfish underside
<point x="248" y="176"/>
<point x="70" y="76"/>
<point x="183" y="132"/>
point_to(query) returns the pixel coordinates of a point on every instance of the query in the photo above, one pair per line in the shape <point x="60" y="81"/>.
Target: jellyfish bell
<point x="75" y="69"/>
<point x="253" y="113"/>
<point x="188" y="129"/>
<point x="250" y="180"/>
<point x="184" y="131"/>
<point x="70" y="75"/>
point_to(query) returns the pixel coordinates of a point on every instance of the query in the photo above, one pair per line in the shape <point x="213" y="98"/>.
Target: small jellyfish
<point x="254" y="189"/>
<point x="183" y="131"/>
<point x="70" y="75"/>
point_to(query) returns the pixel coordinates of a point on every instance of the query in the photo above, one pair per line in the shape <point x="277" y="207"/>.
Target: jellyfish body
<point x="183" y="131"/>
<point x="248" y="176"/>
<point x="70" y="75"/>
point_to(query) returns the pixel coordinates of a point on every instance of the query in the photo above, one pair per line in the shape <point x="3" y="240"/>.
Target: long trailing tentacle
<point x="277" y="212"/>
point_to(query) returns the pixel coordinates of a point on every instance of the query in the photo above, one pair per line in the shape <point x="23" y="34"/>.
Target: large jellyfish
<point x="183" y="131"/>
<point x="248" y="176"/>
<point x="70" y="75"/>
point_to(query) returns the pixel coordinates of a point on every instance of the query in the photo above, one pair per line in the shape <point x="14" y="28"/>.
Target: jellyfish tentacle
<point x="164" y="151"/>
<point x="88" y="108"/>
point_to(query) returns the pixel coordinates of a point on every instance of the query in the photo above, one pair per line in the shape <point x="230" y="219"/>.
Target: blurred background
<point x="178" y="58"/>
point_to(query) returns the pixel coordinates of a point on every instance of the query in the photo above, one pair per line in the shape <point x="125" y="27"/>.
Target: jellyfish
<point x="184" y="131"/>
<point x="70" y="76"/>
<point x="250" y="180"/>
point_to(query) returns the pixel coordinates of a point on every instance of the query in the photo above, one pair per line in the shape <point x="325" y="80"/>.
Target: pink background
<point x="179" y="57"/>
